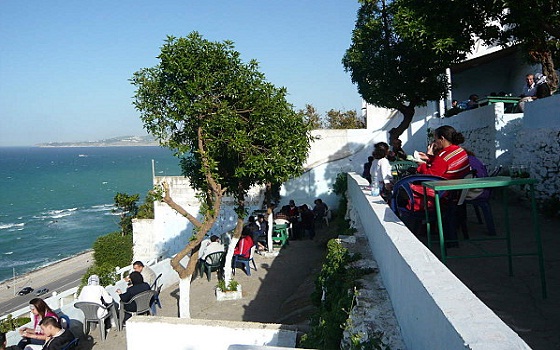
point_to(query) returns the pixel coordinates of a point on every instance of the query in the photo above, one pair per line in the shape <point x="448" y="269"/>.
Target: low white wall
<point x="191" y="334"/>
<point x="435" y="310"/>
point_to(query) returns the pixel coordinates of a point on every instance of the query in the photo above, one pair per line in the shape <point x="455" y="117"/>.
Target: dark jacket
<point x="57" y="343"/>
<point x="131" y="292"/>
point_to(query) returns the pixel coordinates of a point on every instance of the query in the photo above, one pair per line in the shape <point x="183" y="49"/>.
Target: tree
<point x="536" y="25"/>
<point x="231" y="128"/>
<point x="311" y="116"/>
<point x="337" y="119"/>
<point x="393" y="70"/>
<point x="532" y="24"/>
<point x="127" y="208"/>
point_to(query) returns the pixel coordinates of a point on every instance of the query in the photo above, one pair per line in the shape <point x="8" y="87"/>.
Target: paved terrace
<point x="274" y="294"/>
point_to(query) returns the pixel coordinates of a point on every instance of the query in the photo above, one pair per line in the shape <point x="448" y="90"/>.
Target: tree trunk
<point x="231" y="247"/>
<point x="408" y="114"/>
<point x="184" y="297"/>
<point x="545" y="59"/>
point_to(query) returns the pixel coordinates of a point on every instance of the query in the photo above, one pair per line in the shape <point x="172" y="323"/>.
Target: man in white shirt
<point x="211" y="245"/>
<point x="95" y="293"/>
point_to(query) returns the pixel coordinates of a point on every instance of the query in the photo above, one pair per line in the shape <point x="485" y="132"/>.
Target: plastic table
<point x="489" y="182"/>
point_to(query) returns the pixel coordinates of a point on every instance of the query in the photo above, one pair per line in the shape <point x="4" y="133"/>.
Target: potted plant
<point x="230" y="292"/>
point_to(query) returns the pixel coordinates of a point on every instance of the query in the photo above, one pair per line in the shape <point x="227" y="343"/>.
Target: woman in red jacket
<point x="444" y="157"/>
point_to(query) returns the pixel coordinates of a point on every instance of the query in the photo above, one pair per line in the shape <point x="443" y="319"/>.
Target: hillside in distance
<point x="147" y="140"/>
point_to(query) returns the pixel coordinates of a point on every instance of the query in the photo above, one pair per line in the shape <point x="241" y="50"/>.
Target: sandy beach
<point x="47" y="275"/>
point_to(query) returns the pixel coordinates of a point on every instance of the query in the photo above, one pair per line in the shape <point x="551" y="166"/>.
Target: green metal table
<point x="489" y="182"/>
<point x="512" y="101"/>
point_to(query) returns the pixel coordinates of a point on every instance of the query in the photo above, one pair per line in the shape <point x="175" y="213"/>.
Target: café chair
<point x="401" y="201"/>
<point x="245" y="262"/>
<point x="143" y="302"/>
<point x="90" y="316"/>
<point x="72" y="344"/>
<point x="212" y="262"/>
<point x="280" y="234"/>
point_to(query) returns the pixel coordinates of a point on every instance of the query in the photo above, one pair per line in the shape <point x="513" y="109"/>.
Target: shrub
<point x="10" y="324"/>
<point x="113" y="249"/>
<point x="333" y="296"/>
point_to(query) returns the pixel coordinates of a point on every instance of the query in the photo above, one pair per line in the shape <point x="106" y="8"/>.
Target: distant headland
<point x="112" y="142"/>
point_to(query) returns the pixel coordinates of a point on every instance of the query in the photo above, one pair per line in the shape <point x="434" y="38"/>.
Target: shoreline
<point x="86" y="255"/>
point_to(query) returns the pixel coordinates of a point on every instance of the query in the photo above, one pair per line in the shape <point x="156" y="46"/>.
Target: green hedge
<point x="113" y="249"/>
<point x="333" y="296"/>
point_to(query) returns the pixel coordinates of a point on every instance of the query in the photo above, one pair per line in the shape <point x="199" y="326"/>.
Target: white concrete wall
<point x="169" y="232"/>
<point x="434" y="309"/>
<point x="191" y="334"/>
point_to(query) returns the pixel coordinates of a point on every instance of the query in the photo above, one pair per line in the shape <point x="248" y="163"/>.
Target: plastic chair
<point x="280" y="234"/>
<point x="327" y="217"/>
<point x="64" y="321"/>
<point x="213" y="262"/>
<point x="399" y="169"/>
<point x="90" y="316"/>
<point x="157" y="289"/>
<point x="143" y="302"/>
<point x="402" y="199"/>
<point x="245" y="262"/>
<point x="72" y="344"/>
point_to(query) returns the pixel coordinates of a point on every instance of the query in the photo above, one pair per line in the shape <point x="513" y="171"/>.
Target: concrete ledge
<point x="172" y="333"/>
<point x="435" y="310"/>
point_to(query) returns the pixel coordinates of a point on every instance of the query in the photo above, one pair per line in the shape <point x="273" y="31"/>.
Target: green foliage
<point x="333" y="297"/>
<point x="340" y="185"/>
<point x="113" y="249"/>
<point x="337" y="119"/>
<point x="10" y="324"/>
<point x="146" y="210"/>
<point x="127" y="208"/>
<point x="109" y="251"/>
<point x="221" y="116"/>
<point x="231" y="286"/>
<point x="311" y="116"/>
<point x="106" y="273"/>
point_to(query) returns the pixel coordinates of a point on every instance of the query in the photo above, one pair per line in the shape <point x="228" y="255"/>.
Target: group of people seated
<point x="302" y="218"/>
<point x="444" y="158"/>
<point x="535" y="87"/>
<point x="47" y="332"/>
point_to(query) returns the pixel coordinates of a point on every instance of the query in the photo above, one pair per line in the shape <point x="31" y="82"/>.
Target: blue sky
<point x="65" y="65"/>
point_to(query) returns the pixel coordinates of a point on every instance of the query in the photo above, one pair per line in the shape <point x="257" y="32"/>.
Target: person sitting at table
<point x="454" y="110"/>
<point x="35" y="336"/>
<point x="57" y="337"/>
<point x="397" y="153"/>
<point x="95" y="293"/>
<point x="211" y="245"/>
<point x="138" y="286"/>
<point x="307" y="222"/>
<point x="542" y="88"/>
<point x="528" y="92"/>
<point x="444" y="158"/>
<point x="245" y="243"/>
<point x="381" y="175"/>
<point x="472" y="102"/>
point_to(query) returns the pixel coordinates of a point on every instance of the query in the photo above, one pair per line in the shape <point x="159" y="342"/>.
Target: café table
<point x="507" y="100"/>
<point x="489" y="182"/>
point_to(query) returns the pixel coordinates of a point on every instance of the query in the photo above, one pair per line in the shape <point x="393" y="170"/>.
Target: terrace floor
<point x="279" y="290"/>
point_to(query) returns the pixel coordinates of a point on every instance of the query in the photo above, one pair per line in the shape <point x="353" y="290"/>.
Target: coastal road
<point x="57" y="277"/>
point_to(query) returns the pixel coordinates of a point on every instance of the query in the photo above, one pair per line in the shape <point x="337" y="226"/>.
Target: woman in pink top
<point x="39" y="310"/>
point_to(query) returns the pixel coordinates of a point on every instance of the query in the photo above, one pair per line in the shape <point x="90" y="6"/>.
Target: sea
<point x="54" y="202"/>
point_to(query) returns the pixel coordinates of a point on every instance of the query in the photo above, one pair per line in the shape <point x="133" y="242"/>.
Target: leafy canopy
<point x="201" y="94"/>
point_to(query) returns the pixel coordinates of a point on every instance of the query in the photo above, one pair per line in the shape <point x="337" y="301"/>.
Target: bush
<point x="113" y="249"/>
<point x="11" y="324"/>
<point x="333" y="296"/>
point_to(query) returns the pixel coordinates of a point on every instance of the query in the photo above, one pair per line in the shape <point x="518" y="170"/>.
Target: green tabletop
<point x="494" y="99"/>
<point x="480" y="182"/>
<point x="488" y="182"/>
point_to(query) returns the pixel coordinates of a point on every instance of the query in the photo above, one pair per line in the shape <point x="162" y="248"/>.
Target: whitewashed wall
<point x="435" y="310"/>
<point x="204" y="334"/>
